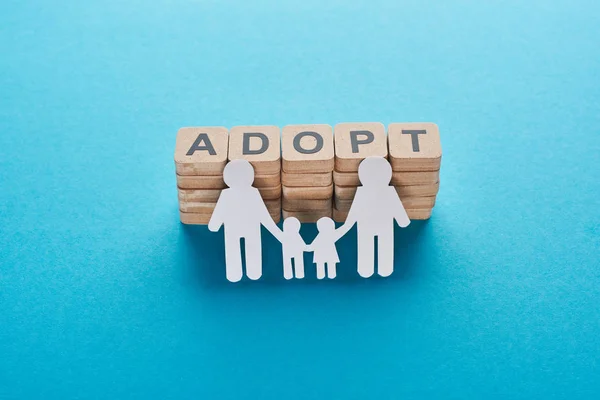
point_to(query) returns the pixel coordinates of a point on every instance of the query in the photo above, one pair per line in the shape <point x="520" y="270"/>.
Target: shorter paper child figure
<point x="325" y="253"/>
<point x="293" y="249"/>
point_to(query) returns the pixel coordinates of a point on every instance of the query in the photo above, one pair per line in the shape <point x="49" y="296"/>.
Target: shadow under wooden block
<point x="415" y="178"/>
<point x="200" y="181"/>
<point x="260" y="145"/>
<point x="414" y="146"/>
<point x="305" y="205"/>
<point x="201" y="150"/>
<point x="307" y="216"/>
<point x="307" y="148"/>
<point x="307" y="179"/>
<point x="356" y="141"/>
<point x="308" y="193"/>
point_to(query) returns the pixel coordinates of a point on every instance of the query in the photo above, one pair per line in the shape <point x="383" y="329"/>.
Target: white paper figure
<point x="375" y="207"/>
<point x="325" y="252"/>
<point x="293" y="249"/>
<point x="241" y="210"/>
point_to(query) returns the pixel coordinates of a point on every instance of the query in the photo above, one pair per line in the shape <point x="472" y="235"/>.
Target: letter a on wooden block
<point x="201" y="151"/>
<point x="261" y="145"/>
<point x="414" y="146"/>
<point x="356" y="141"/>
<point x="307" y="148"/>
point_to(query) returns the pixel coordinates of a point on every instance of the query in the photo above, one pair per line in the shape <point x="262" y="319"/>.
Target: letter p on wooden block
<point x="356" y="141"/>
<point x="201" y="151"/>
<point x="415" y="146"/>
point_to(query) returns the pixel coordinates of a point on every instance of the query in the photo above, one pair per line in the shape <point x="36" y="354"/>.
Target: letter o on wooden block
<point x="307" y="148"/>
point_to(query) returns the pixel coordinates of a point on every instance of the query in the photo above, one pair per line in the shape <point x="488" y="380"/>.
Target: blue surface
<point x="104" y="295"/>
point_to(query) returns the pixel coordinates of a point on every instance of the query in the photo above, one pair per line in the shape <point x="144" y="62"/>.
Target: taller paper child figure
<point x="241" y="211"/>
<point x="374" y="209"/>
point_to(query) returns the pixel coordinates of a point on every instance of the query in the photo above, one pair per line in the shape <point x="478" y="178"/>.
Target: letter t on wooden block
<point x="260" y="145"/>
<point x="307" y="148"/>
<point x="414" y="146"/>
<point x="201" y="151"/>
<point x="356" y="141"/>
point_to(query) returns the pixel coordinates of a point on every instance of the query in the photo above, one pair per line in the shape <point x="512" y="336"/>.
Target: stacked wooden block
<point x="307" y="171"/>
<point x="414" y="152"/>
<point x="201" y="155"/>
<point x="308" y="160"/>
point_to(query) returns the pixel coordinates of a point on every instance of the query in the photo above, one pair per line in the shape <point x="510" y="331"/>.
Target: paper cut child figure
<point x="375" y="207"/>
<point x="293" y="249"/>
<point x="242" y="212"/>
<point x="325" y="252"/>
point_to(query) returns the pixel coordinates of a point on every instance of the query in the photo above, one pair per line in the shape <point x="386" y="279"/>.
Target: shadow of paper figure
<point x="375" y="207"/>
<point x="241" y="211"/>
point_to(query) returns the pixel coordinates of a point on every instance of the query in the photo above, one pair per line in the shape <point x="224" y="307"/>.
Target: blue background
<point x="104" y="294"/>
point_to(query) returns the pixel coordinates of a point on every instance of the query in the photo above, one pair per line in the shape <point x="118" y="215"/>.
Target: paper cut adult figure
<point x="326" y="256"/>
<point x="242" y="211"/>
<point x="293" y="249"/>
<point x="375" y="207"/>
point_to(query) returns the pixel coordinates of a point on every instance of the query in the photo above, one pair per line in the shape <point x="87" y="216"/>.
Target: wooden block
<point x="276" y="216"/>
<point x="200" y="181"/>
<point x="273" y="205"/>
<point x="344" y="192"/>
<point x="413" y="214"/>
<point x="414" y="146"/>
<point x="418" y="190"/>
<point x="346" y="178"/>
<point x="339" y="216"/>
<point x="305" y="205"/>
<point x="201" y="150"/>
<point x="194" y="218"/>
<point x="418" y="213"/>
<point x="407" y="202"/>
<point x="308" y="193"/>
<point x="197" y="207"/>
<point x="270" y="180"/>
<point x="197" y="218"/>
<point x="356" y="141"/>
<point x="415" y="178"/>
<point x="270" y="193"/>
<point x="260" y="145"/>
<point x="307" y="148"/>
<point x="198" y="195"/>
<point x="303" y="180"/>
<point x="348" y="192"/>
<point x="307" y="216"/>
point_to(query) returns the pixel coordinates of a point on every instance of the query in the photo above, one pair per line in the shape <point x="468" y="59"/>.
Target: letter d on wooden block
<point x="356" y="141"/>
<point x="260" y="145"/>
<point x="307" y="148"/>
<point x="201" y="151"/>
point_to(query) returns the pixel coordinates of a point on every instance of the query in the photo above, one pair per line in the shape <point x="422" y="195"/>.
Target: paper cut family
<point x="241" y="211"/>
